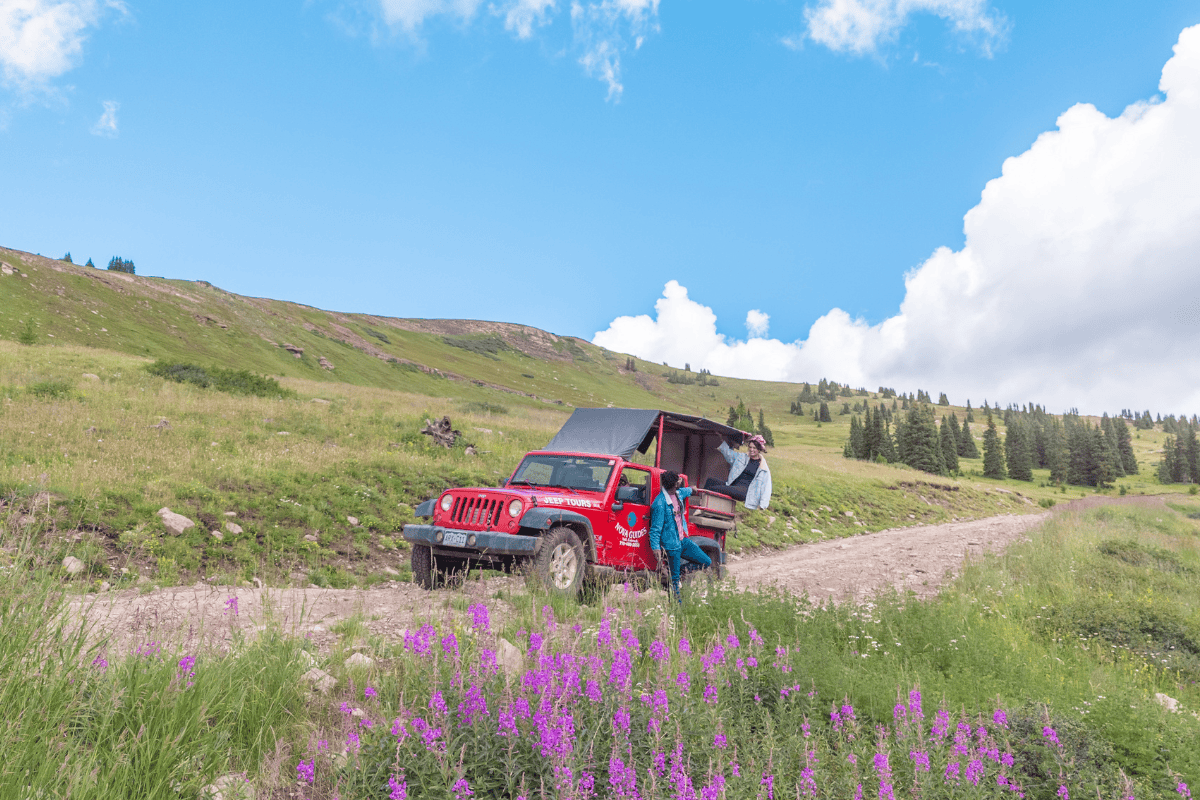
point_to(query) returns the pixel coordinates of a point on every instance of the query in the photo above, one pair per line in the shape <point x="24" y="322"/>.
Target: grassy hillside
<point x="86" y="458"/>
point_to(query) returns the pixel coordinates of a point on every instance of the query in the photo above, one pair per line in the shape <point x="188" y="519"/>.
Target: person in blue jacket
<point x="669" y="531"/>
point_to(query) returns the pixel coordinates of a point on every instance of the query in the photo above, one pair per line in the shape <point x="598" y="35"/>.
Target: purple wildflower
<point x="719" y="741"/>
<point x="734" y="644"/>
<point x="685" y="647"/>
<point x="352" y="741"/>
<point x="1183" y="790"/>
<point x="100" y="663"/>
<point x="1049" y="733"/>
<point x="306" y="772"/>
<point x="920" y="760"/>
<point x="450" y="645"/>
<point x="437" y="703"/>
<point x="952" y="771"/>
<point x="1000" y="718"/>
<point x="683" y="682"/>
<point x="345" y="708"/>
<point x="1063" y="793"/>
<point x="914" y="704"/>
<point x="754" y="637"/>
<point x="769" y="782"/>
<point x="370" y="692"/>
<point x="535" y="643"/>
<point x="974" y="771"/>
<point x="658" y="650"/>
<point x="592" y="692"/>
<point x="941" y="724"/>
<point x="462" y="789"/>
<point x="398" y="787"/>
<point x="899" y="712"/>
<point x="231" y="606"/>
<point x="710" y="694"/>
<point x="480" y="620"/>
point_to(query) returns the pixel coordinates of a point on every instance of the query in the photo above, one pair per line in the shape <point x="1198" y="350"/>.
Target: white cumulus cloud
<point x="757" y="322"/>
<point x="1078" y="284"/>
<point x="860" y="26"/>
<point x="409" y="14"/>
<point x="605" y="31"/>
<point x="107" y="124"/>
<point x="42" y="39"/>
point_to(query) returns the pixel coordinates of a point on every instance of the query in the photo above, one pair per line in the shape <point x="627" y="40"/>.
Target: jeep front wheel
<point x="422" y="566"/>
<point x="560" y="564"/>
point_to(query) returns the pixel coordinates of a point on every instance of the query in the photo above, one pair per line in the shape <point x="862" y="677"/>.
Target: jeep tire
<point x="560" y="564"/>
<point x="433" y="572"/>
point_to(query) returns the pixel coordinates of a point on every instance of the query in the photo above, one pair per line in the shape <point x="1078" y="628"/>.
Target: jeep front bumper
<point x="487" y="543"/>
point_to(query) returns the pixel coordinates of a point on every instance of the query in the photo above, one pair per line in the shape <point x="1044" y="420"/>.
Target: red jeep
<point x="580" y="508"/>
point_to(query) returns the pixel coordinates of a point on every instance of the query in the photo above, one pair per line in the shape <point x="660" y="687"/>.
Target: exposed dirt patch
<point x="531" y="341"/>
<point x="921" y="558"/>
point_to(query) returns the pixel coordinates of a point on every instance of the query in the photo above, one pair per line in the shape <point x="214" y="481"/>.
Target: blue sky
<point x="356" y="155"/>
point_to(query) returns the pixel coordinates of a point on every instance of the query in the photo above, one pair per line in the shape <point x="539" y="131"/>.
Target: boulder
<point x="1167" y="702"/>
<point x="324" y="363"/>
<point x="233" y="528"/>
<point x="291" y="348"/>
<point x="510" y="658"/>
<point x="360" y="660"/>
<point x="320" y="400"/>
<point x="229" y="787"/>
<point x="91" y="377"/>
<point x="231" y="513"/>
<point x="308" y="537"/>
<point x="320" y="680"/>
<point x="73" y="565"/>
<point x="220" y="537"/>
<point x="175" y="524"/>
<point x="353" y="521"/>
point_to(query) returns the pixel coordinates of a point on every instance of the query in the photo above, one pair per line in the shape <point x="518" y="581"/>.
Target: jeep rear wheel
<point x="560" y="564"/>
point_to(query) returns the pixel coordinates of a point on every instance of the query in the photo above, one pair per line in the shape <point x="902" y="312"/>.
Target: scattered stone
<point x="324" y="362"/>
<point x="231" y="513"/>
<point x="308" y="537"/>
<point x="6" y="269"/>
<point x="358" y="712"/>
<point x="1167" y="702"/>
<point x="257" y="583"/>
<point x="390" y="571"/>
<point x="105" y="586"/>
<point x="298" y="577"/>
<point x="848" y="513"/>
<point x="353" y="521"/>
<point x="142" y="580"/>
<point x="360" y="660"/>
<point x="91" y="377"/>
<point x="91" y="429"/>
<point x="510" y="658"/>
<point x="321" y="681"/>
<point x="282" y="433"/>
<point x="218" y="536"/>
<point x="233" y="528"/>
<point x="471" y="450"/>
<point x="162" y="425"/>
<point x="321" y="401"/>
<point x="307" y="658"/>
<point x="484" y="430"/>
<point x="73" y="565"/>
<point x="816" y="531"/>
<point x="175" y="524"/>
<point x="298" y="352"/>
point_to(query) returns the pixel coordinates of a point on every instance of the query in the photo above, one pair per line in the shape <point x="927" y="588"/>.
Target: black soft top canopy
<point x="620" y="431"/>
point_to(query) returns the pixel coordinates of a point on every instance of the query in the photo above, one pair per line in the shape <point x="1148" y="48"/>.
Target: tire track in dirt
<point x="921" y="558"/>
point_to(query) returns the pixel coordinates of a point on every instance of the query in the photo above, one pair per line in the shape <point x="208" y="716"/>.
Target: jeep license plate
<point x="451" y="539"/>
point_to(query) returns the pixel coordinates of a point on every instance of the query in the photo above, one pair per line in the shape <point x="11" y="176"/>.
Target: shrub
<point x="27" y="336"/>
<point x="487" y="346"/>
<point x="241" y="382"/>
<point x="50" y="390"/>
<point x="378" y="335"/>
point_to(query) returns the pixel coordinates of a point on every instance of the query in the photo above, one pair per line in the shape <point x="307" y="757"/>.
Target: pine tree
<point x="27" y="336"/>
<point x="1125" y="447"/>
<point x="966" y="443"/>
<point x="1016" y="450"/>
<point x="993" y="455"/>
<point x="943" y="400"/>
<point x="67" y="258"/>
<point x="854" y="445"/>
<point x="823" y="414"/>
<point x="764" y="431"/>
<point x="1192" y="450"/>
<point x="90" y="264"/>
<point x="1114" y="451"/>
<point x="1056" y="451"/>
<point x="922" y="447"/>
<point x="948" y="435"/>
<point x="1166" y="467"/>
<point x="970" y="416"/>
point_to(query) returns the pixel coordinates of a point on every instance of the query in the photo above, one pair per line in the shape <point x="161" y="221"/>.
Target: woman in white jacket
<point x="749" y="475"/>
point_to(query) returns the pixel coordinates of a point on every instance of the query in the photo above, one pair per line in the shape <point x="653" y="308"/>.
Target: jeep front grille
<point x="478" y="513"/>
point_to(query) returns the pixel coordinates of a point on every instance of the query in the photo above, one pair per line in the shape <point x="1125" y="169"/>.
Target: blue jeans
<point x="692" y="552"/>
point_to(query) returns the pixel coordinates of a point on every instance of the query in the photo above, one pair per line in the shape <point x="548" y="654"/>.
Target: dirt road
<point x="921" y="558"/>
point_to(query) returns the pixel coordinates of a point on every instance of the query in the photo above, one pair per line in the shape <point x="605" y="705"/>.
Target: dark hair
<point x="670" y="480"/>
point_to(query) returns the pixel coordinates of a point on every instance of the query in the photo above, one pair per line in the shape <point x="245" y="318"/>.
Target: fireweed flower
<point x="974" y="771"/>
<point x="535" y="643"/>
<point x="920" y="760"/>
<point x="100" y="663"/>
<point x="462" y="789"/>
<point x="914" y="704"/>
<point x="305" y="771"/>
<point x="450" y="645"/>
<point x="370" y="692"/>
<point x="683" y="682"/>
<point x="593" y="692"/>
<point x="719" y="741"/>
<point x="352" y="741"/>
<point x="769" y="782"/>
<point x="630" y="640"/>
<point x="685" y="647"/>
<point x="1063" y="793"/>
<point x="754" y="637"/>
<point x="1183" y="790"/>
<point x="952" y="772"/>
<point x="1049" y="733"/>
<point x="345" y="708"/>
<point x="710" y="694"/>
<point x="899" y="712"/>
<point x="437" y="703"/>
<point x="834" y="718"/>
<point x="366" y="723"/>
<point x="658" y="650"/>
<point x="231" y="606"/>
<point x="941" y="724"/>
<point x="397" y="788"/>
<point x="1000" y="718"/>
<point x="399" y="729"/>
<point x="734" y="644"/>
<point x="548" y="618"/>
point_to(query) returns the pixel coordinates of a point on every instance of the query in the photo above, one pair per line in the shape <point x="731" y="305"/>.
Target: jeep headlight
<point x="447" y="501"/>
<point x="514" y="508"/>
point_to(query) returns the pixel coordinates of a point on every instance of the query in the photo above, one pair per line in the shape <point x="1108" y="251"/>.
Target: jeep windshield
<point x="563" y="472"/>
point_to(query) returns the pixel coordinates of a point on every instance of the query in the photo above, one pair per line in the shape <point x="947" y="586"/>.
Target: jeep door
<point x="630" y="544"/>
